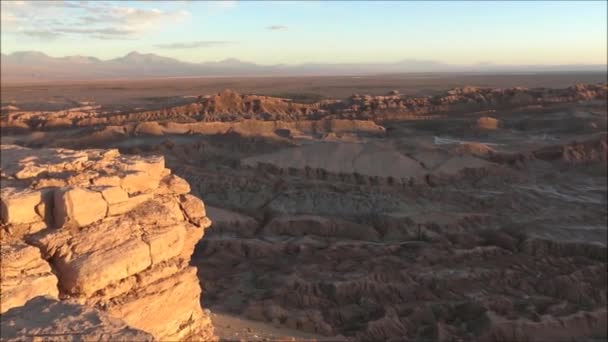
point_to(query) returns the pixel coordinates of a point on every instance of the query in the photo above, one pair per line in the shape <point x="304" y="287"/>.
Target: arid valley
<point x="422" y="207"/>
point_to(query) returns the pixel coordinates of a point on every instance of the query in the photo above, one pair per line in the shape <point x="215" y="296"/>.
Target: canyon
<point x="472" y="213"/>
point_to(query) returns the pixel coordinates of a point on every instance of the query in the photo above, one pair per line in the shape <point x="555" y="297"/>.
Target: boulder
<point x="192" y="206"/>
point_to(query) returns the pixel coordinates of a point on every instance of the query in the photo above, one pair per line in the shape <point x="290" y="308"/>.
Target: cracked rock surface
<point x="111" y="234"/>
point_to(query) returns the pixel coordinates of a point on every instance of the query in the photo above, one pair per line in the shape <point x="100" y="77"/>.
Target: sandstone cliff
<point x="109" y="235"/>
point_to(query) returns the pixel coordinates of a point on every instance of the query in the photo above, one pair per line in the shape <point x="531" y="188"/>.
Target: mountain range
<point x="28" y="66"/>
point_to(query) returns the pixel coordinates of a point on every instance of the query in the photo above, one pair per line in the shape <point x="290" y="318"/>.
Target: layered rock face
<point x="109" y="232"/>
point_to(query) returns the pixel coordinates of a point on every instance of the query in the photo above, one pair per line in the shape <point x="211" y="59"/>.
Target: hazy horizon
<point x="235" y="59"/>
<point x="309" y="32"/>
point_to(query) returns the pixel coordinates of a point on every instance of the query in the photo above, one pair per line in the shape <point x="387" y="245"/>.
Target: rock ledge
<point x="109" y="232"/>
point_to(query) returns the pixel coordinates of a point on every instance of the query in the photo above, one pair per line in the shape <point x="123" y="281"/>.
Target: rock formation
<point x="111" y="233"/>
<point x="231" y="106"/>
<point x="467" y="99"/>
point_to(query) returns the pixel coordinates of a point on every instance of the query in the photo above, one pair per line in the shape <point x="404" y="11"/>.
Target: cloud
<point x="277" y="27"/>
<point x="110" y="37"/>
<point x="41" y="34"/>
<point x="194" y="45"/>
<point x="92" y="19"/>
<point x="108" y="31"/>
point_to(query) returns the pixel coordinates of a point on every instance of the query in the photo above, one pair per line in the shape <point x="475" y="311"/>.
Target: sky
<point x="293" y="32"/>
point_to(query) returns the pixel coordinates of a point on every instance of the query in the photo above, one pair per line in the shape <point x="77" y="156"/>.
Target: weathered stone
<point x="192" y="236"/>
<point x="180" y="292"/>
<point x="23" y="275"/>
<point x="107" y="180"/>
<point x="78" y="206"/>
<point x="127" y="205"/>
<point x="192" y="206"/>
<point x="165" y="243"/>
<point x="141" y="173"/>
<point x="85" y="274"/>
<point x="114" y="194"/>
<point x="174" y="184"/>
<point x="19" y="205"/>
<point x="138" y="181"/>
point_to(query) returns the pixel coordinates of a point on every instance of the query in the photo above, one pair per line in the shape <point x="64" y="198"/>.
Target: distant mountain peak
<point x="35" y="65"/>
<point x="136" y="54"/>
<point x="81" y="59"/>
<point x="139" y="54"/>
<point x="230" y="60"/>
<point x="29" y="54"/>
<point x="138" y="57"/>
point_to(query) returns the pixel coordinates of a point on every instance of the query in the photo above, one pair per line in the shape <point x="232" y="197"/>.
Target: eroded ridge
<point x="109" y="232"/>
<point x="229" y="106"/>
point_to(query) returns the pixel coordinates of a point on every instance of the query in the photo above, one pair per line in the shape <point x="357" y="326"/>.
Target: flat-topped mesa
<point x="118" y="231"/>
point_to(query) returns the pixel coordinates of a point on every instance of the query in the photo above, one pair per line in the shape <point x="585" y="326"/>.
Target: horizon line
<point x="306" y="63"/>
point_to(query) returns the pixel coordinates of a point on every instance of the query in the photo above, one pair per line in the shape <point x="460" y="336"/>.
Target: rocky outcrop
<point x="467" y="99"/>
<point x="229" y="103"/>
<point x="106" y="231"/>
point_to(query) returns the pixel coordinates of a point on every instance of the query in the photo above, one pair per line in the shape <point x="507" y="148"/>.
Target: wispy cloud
<point x="95" y="19"/>
<point x="41" y="34"/>
<point x="110" y="31"/>
<point x="277" y="27"/>
<point x="194" y="45"/>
